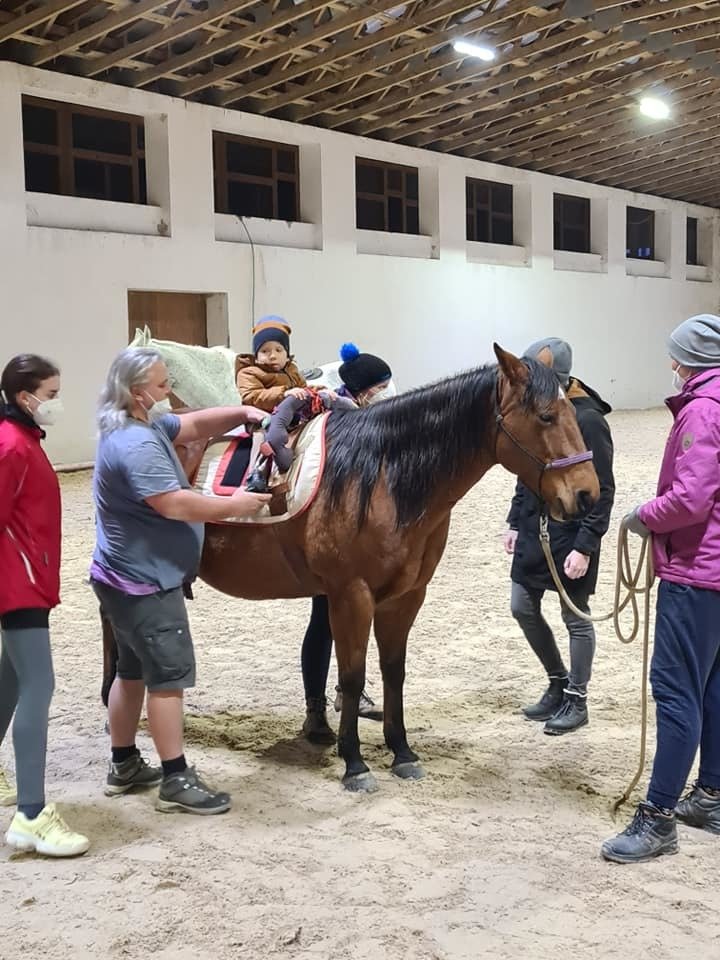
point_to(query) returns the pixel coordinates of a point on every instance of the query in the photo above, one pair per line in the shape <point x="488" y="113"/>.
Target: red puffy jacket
<point x="30" y="520"/>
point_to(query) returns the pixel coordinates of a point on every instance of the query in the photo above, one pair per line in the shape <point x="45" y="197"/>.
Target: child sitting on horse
<point x="364" y="377"/>
<point x="270" y="374"/>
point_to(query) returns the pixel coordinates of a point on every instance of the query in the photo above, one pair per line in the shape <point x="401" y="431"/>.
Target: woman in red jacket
<point x="29" y="589"/>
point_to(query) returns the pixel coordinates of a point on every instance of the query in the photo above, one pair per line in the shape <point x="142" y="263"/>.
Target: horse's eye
<point x="547" y="418"/>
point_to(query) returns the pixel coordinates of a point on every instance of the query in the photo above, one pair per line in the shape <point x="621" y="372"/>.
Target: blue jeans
<point x="685" y="679"/>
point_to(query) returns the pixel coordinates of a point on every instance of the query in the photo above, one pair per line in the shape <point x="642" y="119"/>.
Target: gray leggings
<point x="27" y="682"/>
<point x="525" y="606"/>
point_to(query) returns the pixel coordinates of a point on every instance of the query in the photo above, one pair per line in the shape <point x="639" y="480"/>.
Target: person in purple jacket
<point x="684" y="521"/>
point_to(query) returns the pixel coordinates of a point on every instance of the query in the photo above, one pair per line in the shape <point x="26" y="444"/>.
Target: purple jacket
<point x="684" y="517"/>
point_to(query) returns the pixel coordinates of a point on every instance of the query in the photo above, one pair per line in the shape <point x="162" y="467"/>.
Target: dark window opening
<point x="640" y="234"/>
<point x="256" y="178"/>
<point x="83" y="152"/>
<point x="489" y="211"/>
<point x="386" y="197"/>
<point x="571" y="223"/>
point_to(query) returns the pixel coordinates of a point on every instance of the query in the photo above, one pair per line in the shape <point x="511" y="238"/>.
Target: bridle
<point x="542" y="465"/>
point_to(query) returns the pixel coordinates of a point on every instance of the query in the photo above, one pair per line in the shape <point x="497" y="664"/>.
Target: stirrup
<point x="257" y="482"/>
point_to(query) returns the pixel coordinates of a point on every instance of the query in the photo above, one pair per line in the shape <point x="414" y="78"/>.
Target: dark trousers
<point x="685" y="679"/>
<point x="317" y="649"/>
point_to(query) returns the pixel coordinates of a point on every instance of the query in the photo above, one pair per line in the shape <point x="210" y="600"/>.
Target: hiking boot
<point x="316" y="728"/>
<point x="550" y="702"/>
<point x="186" y="792"/>
<point x="47" y="834"/>
<point x="572" y="715"/>
<point x="8" y="794"/>
<point x="133" y="772"/>
<point x="700" y="808"/>
<point x="367" y="709"/>
<point x="650" y="834"/>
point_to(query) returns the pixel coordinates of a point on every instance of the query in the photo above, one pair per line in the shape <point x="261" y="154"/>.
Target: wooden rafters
<point x="560" y="96"/>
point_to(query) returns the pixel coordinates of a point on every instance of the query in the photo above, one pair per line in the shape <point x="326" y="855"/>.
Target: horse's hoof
<point x="361" y="783"/>
<point x="409" y="771"/>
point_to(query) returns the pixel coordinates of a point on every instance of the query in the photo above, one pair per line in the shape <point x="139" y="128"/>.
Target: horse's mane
<point x="420" y="438"/>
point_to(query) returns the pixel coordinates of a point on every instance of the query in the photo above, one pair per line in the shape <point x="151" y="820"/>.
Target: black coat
<point x="529" y="567"/>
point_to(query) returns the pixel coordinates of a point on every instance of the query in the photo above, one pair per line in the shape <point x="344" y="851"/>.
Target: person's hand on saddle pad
<point x="509" y="540"/>
<point x="634" y="524"/>
<point x="242" y="503"/>
<point x="576" y="565"/>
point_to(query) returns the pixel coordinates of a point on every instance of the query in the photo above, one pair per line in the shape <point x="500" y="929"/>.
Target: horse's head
<point x="538" y="436"/>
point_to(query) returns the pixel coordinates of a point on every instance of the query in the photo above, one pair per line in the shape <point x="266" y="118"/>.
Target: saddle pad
<point x="303" y="477"/>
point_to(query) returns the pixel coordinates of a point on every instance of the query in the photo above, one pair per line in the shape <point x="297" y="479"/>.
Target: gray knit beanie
<point x="696" y="342"/>
<point x="561" y="353"/>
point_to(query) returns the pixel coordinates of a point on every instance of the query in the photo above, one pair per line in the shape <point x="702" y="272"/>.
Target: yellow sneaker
<point x="8" y="796"/>
<point x="48" y="834"/>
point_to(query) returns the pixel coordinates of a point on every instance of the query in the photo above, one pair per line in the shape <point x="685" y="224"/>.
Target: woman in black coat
<point x="575" y="546"/>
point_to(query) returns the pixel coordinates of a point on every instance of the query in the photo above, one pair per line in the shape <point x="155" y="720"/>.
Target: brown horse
<point x="373" y="537"/>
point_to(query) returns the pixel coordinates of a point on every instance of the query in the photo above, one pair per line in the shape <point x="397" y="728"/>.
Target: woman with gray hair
<point x="149" y="539"/>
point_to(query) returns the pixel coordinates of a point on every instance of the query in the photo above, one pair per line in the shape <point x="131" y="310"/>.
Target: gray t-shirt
<point x="133" y="540"/>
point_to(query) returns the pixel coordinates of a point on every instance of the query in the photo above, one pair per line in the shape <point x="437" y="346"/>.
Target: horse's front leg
<point x="351" y="612"/>
<point x="393" y="621"/>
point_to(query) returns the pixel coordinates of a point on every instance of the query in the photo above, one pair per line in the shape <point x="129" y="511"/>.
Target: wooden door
<point x="181" y="317"/>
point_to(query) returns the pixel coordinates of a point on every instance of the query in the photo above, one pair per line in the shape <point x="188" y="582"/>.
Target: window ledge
<point x="384" y="244"/>
<point x="502" y="254"/>
<point x="579" y="262"/>
<point x="268" y="233"/>
<point x="698" y="273"/>
<point x="106" y="216"/>
<point x="645" y="268"/>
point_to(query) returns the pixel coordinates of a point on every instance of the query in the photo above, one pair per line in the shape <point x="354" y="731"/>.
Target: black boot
<point x="550" y="702"/>
<point x="651" y="834"/>
<point x="316" y="728"/>
<point x="700" y="808"/>
<point x="572" y="715"/>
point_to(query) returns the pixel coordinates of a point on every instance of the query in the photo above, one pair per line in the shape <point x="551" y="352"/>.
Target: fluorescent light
<point x="474" y="50"/>
<point x="654" y="108"/>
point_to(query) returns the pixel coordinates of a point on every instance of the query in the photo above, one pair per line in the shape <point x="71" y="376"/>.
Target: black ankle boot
<point x="572" y="715"/>
<point x="651" y="833"/>
<point x="316" y="728"/>
<point x="550" y="702"/>
<point x="700" y="808"/>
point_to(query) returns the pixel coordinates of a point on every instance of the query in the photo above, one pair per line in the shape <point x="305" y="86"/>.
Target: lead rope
<point x="629" y="580"/>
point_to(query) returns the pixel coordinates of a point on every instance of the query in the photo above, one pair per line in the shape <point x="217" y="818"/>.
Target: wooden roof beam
<point x="524" y="54"/>
<point x="36" y="16"/>
<point x="360" y="45"/>
<point x="103" y="26"/>
<point x="273" y="51"/>
<point x="166" y="34"/>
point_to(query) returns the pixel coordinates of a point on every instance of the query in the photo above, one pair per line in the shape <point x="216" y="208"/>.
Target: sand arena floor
<point x="495" y="854"/>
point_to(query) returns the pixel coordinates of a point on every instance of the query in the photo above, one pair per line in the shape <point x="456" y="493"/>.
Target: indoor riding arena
<point x="425" y="181"/>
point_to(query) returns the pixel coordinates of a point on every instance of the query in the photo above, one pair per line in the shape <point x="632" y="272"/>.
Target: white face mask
<point x="378" y="397"/>
<point x="678" y="382"/>
<point x="48" y="412"/>
<point x="158" y="408"/>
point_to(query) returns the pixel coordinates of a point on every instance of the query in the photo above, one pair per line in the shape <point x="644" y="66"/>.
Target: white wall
<point x="433" y="307"/>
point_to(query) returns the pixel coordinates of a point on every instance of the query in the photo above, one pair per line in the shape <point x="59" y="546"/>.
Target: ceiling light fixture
<point x="654" y="108"/>
<point x="474" y="50"/>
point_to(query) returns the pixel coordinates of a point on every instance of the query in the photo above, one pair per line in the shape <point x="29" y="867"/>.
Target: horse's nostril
<point x="584" y="500"/>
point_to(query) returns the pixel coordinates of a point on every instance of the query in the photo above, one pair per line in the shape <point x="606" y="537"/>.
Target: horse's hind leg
<point x="351" y="613"/>
<point x="393" y="621"/>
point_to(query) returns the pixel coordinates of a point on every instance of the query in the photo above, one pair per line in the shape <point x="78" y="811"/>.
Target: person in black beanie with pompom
<point x="367" y="379"/>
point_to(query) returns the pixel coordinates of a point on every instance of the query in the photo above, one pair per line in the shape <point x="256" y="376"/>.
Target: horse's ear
<point x="545" y="357"/>
<point x="513" y="368"/>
